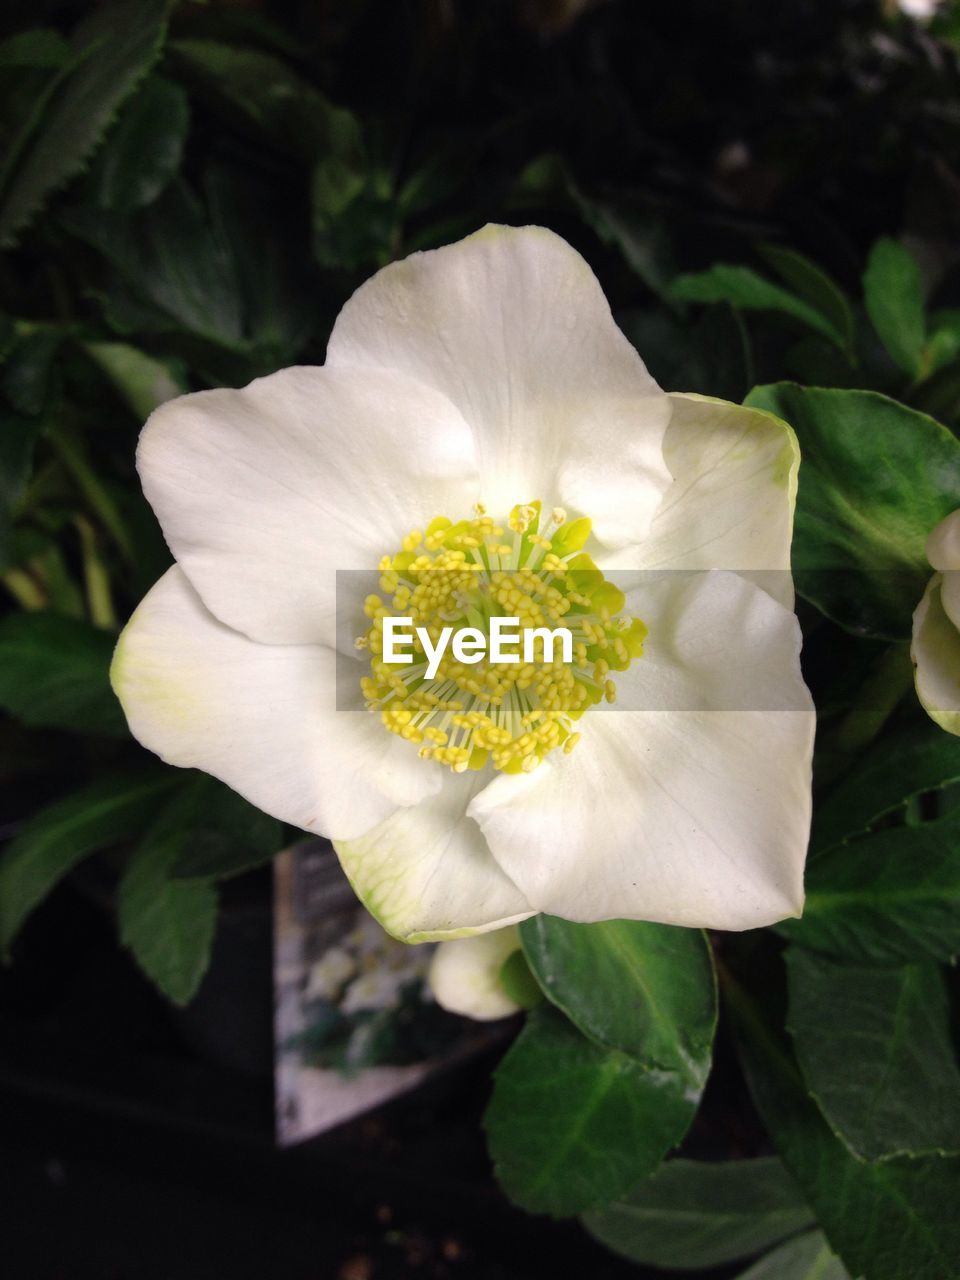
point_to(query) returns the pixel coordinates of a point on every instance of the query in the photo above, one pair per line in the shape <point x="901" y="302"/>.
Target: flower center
<point x="461" y="575"/>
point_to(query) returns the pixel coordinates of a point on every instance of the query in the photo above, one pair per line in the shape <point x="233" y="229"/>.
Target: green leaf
<point x="875" y="1050"/>
<point x="142" y="381"/>
<point x="145" y="148"/>
<point x="168" y="924"/>
<point x="572" y="1126"/>
<point x="894" y="299"/>
<point x="59" y="836"/>
<point x="692" y="1214"/>
<point x="223" y="835"/>
<point x="115" y="47"/>
<point x="647" y="990"/>
<point x="518" y="982"/>
<point x="265" y="93"/>
<point x="42" y="47"/>
<point x="889" y="897"/>
<point x="896" y="769"/>
<point x="29" y="369"/>
<point x="809" y="1257"/>
<point x="53" y="673"/>
<point x="813" y="285"/>
<point x="18" y="437"/>
<point x="875" y="478"/>
<point x="170" y="257"/>
<point x="743" y="288"/>
<point x="895" y="1220"/>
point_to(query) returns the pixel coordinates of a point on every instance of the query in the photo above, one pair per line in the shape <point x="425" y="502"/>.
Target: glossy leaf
<point x="889" y="897"/>
<point x="875" y="478"/>
<point x="895" y="1220"/>
<point x="145" y="148"/>
<point x="895" y="770"/>
<point x="114" y="46"/>
<point x="894" y="300"/>
<point x="692" y="1214"/>
<point x="62" y="834"/>
<point x="645" y="989"/>
<point x="573" y="1126"/>
<point x="808" y="1257"/>
<point x="53" y="672"/>
<point x="744" y="288"/>
<point x="874" y="1047"/>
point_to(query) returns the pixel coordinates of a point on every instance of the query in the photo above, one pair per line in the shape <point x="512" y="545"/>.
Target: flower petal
<point x="512" y="326"/>
<point x="261" y="718"/>
<point x="732" y="499"/>
<point x="263" y="494"/>
<point x="426" y="873"/>
<point x="936" y="656"/>
<point x="943" y="544"/>
<point x="465" y="975"/>
<point x="687" y="811"/>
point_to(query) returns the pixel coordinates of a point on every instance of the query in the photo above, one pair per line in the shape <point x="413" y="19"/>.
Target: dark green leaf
<point x="144" y="150"/>
<point x="891" y="896"/>
<point x="115" y="47"/>
<point x="894" y="298"/>
<point x="875" y="478"/>
<point x="874" y="1047"/>
<point x="173" y="261"/>
<point x="18" y="436"/>
<point x="64" y="833"/>
<point x="41" y="47"/>
<point x="168" y="924"/>
<point x="54" y="672"/>
<point x="223" y="834"/>
<point x="895" y="770"/>
<point x="572" y="1126"/>
<point x="809" y="1257"/>
<point x="895" y="1220"/>
<point x="743" y="288"/>
<point x="645" y="989"/>
<point x="813" y="285"/>
<point x="692" y="1214"/>
<point x="266" y="93"/>
<point x="28" y="369"/>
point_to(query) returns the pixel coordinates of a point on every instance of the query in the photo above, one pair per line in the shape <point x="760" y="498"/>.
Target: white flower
<point x="922" y="9"/>
<point x="479" y="405"/>
<point x="465" y="975"/>
<point x="936" y="638"/>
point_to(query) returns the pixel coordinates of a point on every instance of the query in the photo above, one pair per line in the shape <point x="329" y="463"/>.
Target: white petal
<point x="686" y="812"/>
<point x="465" y="975"/>
<point x="426" y="873"/>
<point x="936" y="656"/>
<point x="943" y="544"/>
<point x="264" y="494"/>
<point x="261" y="718"/>
<point x="732" y="499"/>
<point x="716" y="642"/>
<point x="512" y="326"/>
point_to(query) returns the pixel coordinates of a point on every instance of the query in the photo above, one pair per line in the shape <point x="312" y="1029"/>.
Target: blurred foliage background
<point x="189" y="192"/>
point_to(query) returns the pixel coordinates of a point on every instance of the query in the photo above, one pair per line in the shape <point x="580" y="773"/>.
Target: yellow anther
<point x="507" y="714"/>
